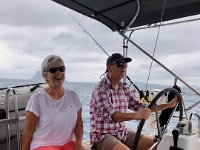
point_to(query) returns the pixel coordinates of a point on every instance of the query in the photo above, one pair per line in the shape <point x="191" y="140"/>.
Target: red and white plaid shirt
<point x="105" y="101"/>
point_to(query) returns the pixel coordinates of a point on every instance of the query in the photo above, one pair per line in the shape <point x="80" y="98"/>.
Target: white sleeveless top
<point x="57" y="118"/>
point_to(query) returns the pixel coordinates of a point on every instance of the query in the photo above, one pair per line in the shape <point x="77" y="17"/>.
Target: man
<point x="109" y="109"/>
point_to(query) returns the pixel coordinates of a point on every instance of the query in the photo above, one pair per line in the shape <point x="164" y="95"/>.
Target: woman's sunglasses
<point x="55" y="69"/>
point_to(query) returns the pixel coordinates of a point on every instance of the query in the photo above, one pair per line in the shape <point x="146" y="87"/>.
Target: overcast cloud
<point x="32" y="29"/>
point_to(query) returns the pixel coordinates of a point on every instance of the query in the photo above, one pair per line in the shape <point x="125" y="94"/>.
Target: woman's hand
<point x="79" y="146"/>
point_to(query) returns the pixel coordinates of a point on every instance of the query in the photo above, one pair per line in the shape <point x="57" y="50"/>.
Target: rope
<point x="161" y="18"/>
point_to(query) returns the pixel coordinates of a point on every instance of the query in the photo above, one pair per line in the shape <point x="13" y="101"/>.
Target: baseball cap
<point x="117" y="57"/>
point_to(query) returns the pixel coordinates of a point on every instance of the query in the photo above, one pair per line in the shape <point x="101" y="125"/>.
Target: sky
<point x="30" y="30"/>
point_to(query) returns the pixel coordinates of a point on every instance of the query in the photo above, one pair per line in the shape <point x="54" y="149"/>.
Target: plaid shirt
<point x="105" y="101"/>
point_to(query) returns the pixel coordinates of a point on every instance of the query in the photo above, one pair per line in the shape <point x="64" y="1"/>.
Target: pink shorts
<point x="67" y="146"/>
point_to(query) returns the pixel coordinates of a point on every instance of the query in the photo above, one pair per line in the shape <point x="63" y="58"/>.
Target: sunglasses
<point x="55" y="69"/>
<point x="121" y="64"/>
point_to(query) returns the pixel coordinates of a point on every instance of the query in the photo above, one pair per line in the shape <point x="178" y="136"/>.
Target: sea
<point x="84" y="90"/>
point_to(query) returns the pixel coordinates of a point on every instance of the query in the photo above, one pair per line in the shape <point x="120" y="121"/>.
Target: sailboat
<point x="123" y="17"/>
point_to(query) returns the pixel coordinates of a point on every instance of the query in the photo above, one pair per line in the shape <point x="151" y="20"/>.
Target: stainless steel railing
<point x="10" y="93"/>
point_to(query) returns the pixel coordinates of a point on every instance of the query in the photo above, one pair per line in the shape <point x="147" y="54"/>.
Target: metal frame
<point x="159" y="63"/>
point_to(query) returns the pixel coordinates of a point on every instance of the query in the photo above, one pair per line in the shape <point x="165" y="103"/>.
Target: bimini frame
<point x="124" y="14"/>
<point x="122" y="33"/>
<point x="158" y="62"/>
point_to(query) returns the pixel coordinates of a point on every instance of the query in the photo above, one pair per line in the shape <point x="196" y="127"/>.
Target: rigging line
<point x="150" y="67"/>
<point x="88" y="34"/>
<point x="192" y="106"/>
<point x="91" y="37"/>
<point x="159" y="63"/>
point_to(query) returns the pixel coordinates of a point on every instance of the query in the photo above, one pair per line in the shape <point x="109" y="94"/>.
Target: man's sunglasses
<point x="121" y="64"/>
<point x="55" y="69"/>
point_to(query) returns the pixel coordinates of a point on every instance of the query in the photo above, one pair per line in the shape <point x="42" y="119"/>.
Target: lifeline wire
<point x="161" y="18"/>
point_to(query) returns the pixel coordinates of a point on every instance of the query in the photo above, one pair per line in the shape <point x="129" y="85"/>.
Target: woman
<point x="53" y="115"/>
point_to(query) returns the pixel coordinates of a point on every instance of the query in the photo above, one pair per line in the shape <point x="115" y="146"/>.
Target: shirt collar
<point x="107" y="81"/>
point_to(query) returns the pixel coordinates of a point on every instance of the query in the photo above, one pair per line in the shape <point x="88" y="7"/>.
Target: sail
<point x="117" y="14"/>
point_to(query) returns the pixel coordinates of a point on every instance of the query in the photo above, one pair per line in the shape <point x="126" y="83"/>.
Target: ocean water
<point x="84" y="90"/>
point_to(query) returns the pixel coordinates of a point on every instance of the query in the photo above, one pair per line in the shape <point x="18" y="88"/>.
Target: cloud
<point x="31" y="30"/>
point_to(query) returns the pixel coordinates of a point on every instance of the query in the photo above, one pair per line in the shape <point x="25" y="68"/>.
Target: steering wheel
<point x="151" y="105"/>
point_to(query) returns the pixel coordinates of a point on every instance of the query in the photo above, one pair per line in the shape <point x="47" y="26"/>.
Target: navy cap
<point x="117" y="57"/>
